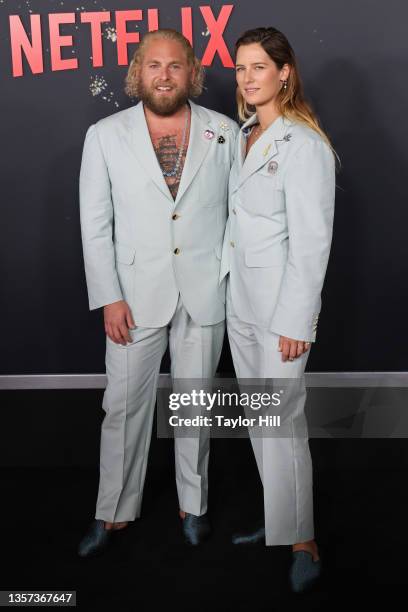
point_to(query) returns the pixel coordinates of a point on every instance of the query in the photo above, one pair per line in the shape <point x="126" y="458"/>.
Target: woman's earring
<point x="285" y="85"/>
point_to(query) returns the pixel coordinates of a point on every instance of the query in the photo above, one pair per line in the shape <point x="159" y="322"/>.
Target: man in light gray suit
<point x="153" y="203"/>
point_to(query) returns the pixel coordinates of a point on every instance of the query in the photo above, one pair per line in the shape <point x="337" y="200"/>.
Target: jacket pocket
<point x="124" y="254"/>
<point x="271" y="174"/>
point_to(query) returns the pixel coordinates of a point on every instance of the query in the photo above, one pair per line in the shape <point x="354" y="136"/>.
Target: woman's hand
<point x="291" y="349"/>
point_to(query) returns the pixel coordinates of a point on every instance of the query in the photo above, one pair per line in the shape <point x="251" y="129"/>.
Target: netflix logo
<point x="29" y="44"/>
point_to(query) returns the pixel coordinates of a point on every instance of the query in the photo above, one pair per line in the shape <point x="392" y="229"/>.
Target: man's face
<point x="165" y="76"/>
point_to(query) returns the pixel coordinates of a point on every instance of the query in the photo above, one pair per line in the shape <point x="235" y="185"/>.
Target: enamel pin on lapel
<point x="287" y="137"/>
<point x="273" y="167"/>
<point x="209" y="134"/>
<point x="224" y="127"/>
<point x="266" y="151"/>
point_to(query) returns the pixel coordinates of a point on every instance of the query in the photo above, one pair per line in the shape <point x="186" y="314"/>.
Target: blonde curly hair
<point x="132" y="77"/>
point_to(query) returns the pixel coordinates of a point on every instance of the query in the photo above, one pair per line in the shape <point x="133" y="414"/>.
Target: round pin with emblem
<point x="273" y="167"/>
<point x="221" y="139"/>
<point x="209" y="134"/>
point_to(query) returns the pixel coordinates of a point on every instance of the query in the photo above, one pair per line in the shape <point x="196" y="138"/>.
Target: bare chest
<point x="171" y="149"/>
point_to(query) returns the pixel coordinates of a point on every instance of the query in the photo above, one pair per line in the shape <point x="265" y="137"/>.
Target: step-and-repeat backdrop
<point x="62" y="66"/>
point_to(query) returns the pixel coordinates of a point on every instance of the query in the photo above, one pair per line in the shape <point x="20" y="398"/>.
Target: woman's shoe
<point x="253" y="536"/>
<point x="96" y="539"/>
<point x="304" y="572"/>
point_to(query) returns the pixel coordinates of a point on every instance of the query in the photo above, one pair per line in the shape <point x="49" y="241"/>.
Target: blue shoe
<point x="96" y="539"/>
<point x="304" y="572"/>
<point x="254" y="536"/>
<point x="196" y="529"/>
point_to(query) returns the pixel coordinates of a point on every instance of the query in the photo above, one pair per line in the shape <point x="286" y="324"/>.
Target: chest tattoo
<point x="167" y="153"/>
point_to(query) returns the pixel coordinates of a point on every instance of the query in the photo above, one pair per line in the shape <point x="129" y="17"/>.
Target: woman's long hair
<point x="290" y="102"/>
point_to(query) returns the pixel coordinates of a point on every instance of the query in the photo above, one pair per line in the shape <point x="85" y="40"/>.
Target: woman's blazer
<point x="279" y="230"/>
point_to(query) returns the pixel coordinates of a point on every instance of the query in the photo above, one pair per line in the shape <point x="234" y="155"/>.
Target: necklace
<point x="258" y="130"/>
<point x="181" y="150"/>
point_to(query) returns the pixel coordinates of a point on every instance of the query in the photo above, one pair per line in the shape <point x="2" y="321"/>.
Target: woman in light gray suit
<point x="276" y="250"/>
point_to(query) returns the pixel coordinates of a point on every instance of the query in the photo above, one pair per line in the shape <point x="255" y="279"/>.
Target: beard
<point x="163" y="105"/>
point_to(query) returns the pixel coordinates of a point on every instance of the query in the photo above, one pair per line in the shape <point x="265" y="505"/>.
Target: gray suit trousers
<point x="132" y="374"/>
<point x="284" y="462"/>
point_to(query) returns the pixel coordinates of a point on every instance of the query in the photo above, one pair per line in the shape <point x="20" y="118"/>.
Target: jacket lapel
<point x="242" y="140"/>
<point x="197" y="150"/>
<point x="143" y="149"/>
<point x="263" y="150"/>
<point x="198" y="147"/>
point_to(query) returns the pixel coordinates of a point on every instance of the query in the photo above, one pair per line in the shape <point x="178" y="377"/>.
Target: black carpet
<point x="361" y="505"/>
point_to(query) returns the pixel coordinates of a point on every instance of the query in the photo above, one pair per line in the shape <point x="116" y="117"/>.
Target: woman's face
<point x="258" y="77"/>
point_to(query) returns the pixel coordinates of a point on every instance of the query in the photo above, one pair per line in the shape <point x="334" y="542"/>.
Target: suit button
<point x="232" y="243"/>
<point x="175" y="216"/>
<point x="176" y="251"/>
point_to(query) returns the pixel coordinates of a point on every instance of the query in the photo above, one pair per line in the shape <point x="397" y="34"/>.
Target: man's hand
<point x="291" y="349"/>
<point x="118" y="321"/>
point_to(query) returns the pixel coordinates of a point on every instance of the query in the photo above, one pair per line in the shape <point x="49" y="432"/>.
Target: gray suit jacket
<point x="131" y="226"/>
<point x="278" y="236"/>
